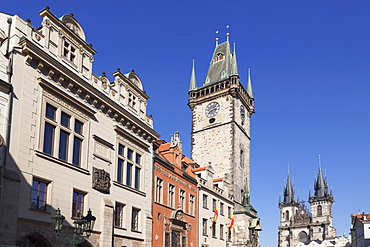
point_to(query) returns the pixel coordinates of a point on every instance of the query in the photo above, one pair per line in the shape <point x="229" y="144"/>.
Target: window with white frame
<point x="63" y="135"/>
<point x="191" y="204"/>
<point x="69" y="51"/>
<point x="135" y="219"/>
<point x="128" y="166"/>
<point x="171" y="195"/>
<point x="159" y="190"/>
<point x="119" y="215"/>
<point x="39" y="194"/>
<point x="204" y="227"/>
<point x="182" y="199"/>
<point x="78" y="203"/>
<point x="131" y="100"/>
<point x="221" y="208"/>
<point x="205" y="199"/>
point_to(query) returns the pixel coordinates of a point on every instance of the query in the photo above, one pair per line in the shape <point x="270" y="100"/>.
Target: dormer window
<point x="131" y="100"/>
<point x="69" y="52"/>
<point x="218" y="57"/>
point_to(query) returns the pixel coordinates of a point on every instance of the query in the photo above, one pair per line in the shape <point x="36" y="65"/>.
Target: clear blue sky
<point x="310" y="64"/>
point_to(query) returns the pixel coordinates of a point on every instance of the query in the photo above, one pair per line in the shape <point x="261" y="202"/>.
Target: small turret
<point x="249" y="85"/>
<point x="193" y="82"/>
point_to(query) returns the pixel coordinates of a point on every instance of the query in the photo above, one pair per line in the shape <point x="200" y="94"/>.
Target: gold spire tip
<point x="227" y="34"/>
<point x="216" y="39"/>
<point x="227" y="26"/>
<point x="216" y="31"/>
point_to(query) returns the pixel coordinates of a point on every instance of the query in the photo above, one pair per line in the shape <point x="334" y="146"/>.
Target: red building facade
<point x="175" y="200"/>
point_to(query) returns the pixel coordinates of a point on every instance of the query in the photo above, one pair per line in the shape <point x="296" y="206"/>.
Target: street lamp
<point x="81" y="225"/>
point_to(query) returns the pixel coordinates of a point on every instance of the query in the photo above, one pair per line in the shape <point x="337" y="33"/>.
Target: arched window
<point x="287" y="215"/>
<point x="302" y="236"/>
<point x="319" y="210"/>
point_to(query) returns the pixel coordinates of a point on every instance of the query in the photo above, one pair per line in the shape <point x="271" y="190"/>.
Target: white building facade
<point x="216" y="207"/>
<point x="78" y="141"/>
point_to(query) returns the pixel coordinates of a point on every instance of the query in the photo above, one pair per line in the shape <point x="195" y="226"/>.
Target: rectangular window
<point x="135" y="219"/>
<point x="222" y="232"/>
<point x="205" y="198"/>
<point x="68" y="146"/>
<point x="221" y="208"/>
<point x="214" y="205"/>
<point x="77" y="204"/>
<point x="159" y="190"/>
<point x="204" y="227"/>
<point x="171" y="195"/>
<point x="128" y="168"/>
<point x="38" y="195"/>
<point x="214" y="230"/>
<point x="118" y="217"/>
<point x="182" y="199"/>
<point x="69" y="52"/>
<point x="137" y="178"/>
<point x="128" y="174"/>
<point x="228" y="212"/>
<point x="191" y="204"/>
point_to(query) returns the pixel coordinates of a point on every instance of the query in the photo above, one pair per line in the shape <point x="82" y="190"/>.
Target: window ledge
<point x="121" y="228"/>
<point x="129" y="188"/>
<point x="136" y="231"/>
<point x="61" y="162"/>
<point x="40" y="211"/>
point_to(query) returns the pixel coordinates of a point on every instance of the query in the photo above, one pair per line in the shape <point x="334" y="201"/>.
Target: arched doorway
<point x="34" y="240"/>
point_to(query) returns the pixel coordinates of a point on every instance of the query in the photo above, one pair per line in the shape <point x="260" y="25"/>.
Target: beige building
<point x="77" y="141"/>
<point x="221" y="111"/>
<point x="216" y="207"/>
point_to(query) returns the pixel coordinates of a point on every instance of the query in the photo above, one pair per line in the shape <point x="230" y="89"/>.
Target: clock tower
<point x="221" y="110"/>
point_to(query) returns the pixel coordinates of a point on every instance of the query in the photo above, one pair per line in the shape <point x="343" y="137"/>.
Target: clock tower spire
<point x="221" y="111"/>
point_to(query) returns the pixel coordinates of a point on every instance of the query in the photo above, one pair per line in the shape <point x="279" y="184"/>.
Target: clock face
<point x="242" y="112"/>
<point x="212" y="109"/>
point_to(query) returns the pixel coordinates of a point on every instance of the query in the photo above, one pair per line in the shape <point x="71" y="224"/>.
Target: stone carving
<point x="101" y="180"/>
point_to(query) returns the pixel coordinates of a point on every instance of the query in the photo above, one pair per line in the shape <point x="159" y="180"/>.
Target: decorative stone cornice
<point x="230" y="86"/>
<point x="73" y="86"/>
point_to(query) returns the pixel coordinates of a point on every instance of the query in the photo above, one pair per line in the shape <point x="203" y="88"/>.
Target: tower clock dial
<point x="212" y="109"/>
<point x="242" y="112"/>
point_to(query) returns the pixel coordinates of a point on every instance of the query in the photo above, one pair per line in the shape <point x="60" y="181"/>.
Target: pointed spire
<point x="246" y="194"/>
<point x="321" y="183"/>
<point x="249" y="85"/>
<point x="234" y="65"/>
<point x="193" y="83"/>
<point x="288" y="190"/>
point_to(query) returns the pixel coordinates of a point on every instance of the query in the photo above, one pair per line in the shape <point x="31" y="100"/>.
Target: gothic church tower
<point x="297" y="224"/>
<point x="221" y="111"/>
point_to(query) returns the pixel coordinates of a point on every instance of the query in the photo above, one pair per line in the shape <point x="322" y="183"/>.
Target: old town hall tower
<point x="221" y="111"/>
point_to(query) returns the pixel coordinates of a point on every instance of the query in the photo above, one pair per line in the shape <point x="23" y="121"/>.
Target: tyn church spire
<point x="288" y="191"/>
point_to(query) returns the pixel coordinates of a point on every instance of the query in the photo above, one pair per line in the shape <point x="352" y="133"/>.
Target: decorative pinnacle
<point x="216" y="39"/>
<point x="227" y="34"/>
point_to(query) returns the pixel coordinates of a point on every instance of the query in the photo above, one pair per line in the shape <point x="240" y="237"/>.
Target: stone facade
<point x="301" y="226"/>
<point x="78" y="141"/>
<point x="221" y="111"/>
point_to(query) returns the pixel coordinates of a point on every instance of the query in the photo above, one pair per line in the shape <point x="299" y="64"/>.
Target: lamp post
<point x="81" y="225"/>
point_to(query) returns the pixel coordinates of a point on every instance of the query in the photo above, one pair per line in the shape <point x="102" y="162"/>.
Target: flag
<point x="215" y="218"/>
<point x="231" y="224"/>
